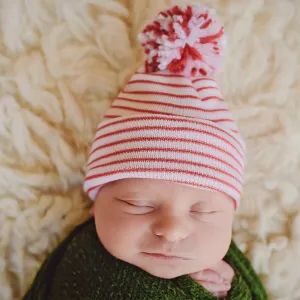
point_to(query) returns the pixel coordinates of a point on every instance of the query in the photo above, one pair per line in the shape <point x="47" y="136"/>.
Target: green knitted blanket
<point x="80" y="268"/>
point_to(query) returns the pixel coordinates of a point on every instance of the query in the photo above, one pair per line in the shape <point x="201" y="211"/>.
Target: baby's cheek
<point x="220" y="240"/>
<point x="119" y="234"/>
<point x="213" y="242"/>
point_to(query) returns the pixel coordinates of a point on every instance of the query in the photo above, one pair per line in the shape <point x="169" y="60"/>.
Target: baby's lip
<point x="166" y="256"/>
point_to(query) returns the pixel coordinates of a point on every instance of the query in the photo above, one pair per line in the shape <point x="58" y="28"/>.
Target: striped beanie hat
<point x="170" y="121"/>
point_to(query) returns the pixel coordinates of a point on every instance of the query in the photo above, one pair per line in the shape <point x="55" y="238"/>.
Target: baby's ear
<point x="91" y="211"/>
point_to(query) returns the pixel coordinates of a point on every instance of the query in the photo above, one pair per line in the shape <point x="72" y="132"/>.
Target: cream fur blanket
<point x="62" y="63"/>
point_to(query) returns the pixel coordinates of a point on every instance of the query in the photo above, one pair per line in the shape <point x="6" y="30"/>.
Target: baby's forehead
<point x="152" y="189"/>
<point x="141" y="185"/>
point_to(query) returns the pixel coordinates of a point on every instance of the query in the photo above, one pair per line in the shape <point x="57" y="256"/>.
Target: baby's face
<point x="164" y="228"/>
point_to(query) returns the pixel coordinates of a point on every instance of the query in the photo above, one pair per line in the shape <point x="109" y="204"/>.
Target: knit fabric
<point x="170" y="127"/>
<point x="81" y="269"/>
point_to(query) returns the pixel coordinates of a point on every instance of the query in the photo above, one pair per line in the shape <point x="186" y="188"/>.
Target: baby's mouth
<point x="164" y="256"/>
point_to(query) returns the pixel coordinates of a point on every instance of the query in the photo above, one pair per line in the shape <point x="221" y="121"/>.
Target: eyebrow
<point x="133" y="195"/>
<point x="204" y="201"/>
<point x="129" y="197"/>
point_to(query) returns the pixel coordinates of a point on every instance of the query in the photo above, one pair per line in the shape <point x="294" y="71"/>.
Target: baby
<point x="166" y="165"/>
<point x="167" y="229"/>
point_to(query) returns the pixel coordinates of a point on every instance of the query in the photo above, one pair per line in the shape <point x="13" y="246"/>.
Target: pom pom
<point x="185" y="41"/>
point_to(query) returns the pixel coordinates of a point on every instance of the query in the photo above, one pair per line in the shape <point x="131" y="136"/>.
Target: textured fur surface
<point x="62" y="63"/>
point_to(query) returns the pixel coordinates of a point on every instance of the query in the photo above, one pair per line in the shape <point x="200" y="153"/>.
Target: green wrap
<point x="80" y="268"/>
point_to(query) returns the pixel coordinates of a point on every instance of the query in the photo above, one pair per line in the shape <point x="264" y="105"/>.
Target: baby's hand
<point x="217" y="280"/>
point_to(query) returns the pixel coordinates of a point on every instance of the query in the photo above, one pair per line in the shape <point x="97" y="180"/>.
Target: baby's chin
<point x="165" y="273"/>
<point x="169" y="271"/>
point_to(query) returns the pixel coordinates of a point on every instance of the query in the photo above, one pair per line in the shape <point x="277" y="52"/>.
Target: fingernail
<point x="222" y="294"/>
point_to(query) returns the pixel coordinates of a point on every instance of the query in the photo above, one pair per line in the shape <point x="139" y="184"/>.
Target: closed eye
<point x="204" y="212"/>
<point x="135" y="203"/>
<point x="135" y="207"/>
<point x="204" y="216"/>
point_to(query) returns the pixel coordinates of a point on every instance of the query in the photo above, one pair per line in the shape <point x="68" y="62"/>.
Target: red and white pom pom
<point x="185" y="41"/>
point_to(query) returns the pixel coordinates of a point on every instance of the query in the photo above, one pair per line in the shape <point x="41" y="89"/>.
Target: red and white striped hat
<point x="170" y="122"/>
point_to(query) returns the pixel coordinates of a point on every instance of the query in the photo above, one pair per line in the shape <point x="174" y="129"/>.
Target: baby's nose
<point x="173" y="229"/>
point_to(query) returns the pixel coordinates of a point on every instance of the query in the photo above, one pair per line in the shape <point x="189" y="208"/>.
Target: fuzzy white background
<point x="62" y="62"/>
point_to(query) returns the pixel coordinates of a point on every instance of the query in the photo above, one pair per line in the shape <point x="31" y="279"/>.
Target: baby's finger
<point x="207" y="275"/>
<point x="214" y="287"/>
<point x="221" y="294"/>
<point x="225" y="270"/>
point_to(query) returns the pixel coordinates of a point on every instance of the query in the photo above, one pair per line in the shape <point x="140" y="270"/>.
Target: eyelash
<point x="137" y="205"/>
<point x="204" y="212"/>
<point x="151" y="207"/>
<point x="133" y="205"/>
